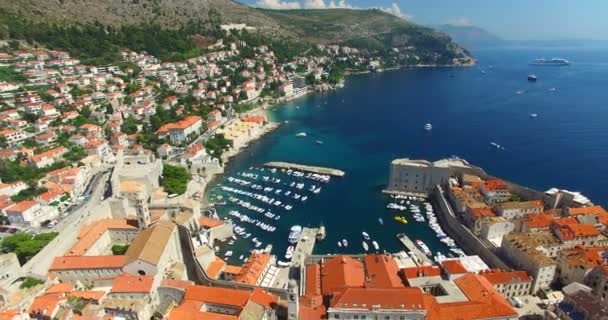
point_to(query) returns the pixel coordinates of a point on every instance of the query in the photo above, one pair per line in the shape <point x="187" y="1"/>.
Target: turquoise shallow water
<point x="379" y="117"/>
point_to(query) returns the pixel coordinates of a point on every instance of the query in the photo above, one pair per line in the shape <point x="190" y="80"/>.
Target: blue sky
<point x="509" y="19"/>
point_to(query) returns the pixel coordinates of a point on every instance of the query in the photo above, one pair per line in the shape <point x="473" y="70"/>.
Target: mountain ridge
<point x="471" y="36"/>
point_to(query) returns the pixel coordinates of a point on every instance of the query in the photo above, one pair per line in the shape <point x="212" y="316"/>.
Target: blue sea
<point x="379" y="117"/>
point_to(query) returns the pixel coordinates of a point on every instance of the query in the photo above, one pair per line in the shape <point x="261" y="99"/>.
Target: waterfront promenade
<point x="421" y="258"/>
<point x="305" y="246"/>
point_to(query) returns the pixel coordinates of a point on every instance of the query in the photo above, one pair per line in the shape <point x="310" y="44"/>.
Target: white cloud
<point x="396" y="11"/>
<point x="277" y="4"/>
<point x="462" y="22"/>
<point x="339" y="4"/>
<point x="314" y="4"/>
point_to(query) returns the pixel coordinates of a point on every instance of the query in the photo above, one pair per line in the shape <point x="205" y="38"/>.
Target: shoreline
<point x="272" y="126"/>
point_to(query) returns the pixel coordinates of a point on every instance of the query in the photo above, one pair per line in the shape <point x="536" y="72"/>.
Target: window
<point x="336" y="316"/>
<point x="356" y="317"/>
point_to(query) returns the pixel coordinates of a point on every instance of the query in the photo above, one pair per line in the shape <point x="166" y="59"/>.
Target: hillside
<point x="471" y="36"/>
<point x="173" y="20"/>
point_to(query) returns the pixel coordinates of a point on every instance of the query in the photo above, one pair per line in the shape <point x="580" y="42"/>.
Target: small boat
<point x="301" y="134"/>
<point x="533" y="115"/>
<point x="365" y="235"/>
<point x="241" y="257"/>
<point x="424" y="248"/>
<point x="532" y="77"/>
<point x="344" y="243"/>
<point x="319" y="142"/>
<point x="428" y="127"/>
<point x="520" y="91"/>
<point x="294" y="234"/>
<point x="380" y="221"/>
<point x="365" y="246"/>
<point x="552" y="89"/>
<point x="289" y="253"/>
<point x="339" y="244"/>
<point x="376" y="245"/>
<point x="283" y="264"/>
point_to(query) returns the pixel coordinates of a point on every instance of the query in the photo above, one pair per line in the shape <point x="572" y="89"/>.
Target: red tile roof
<point x="382" y="272"/>
<point x="253" y="269"/>
<point x="209" y="222"/>
<point x="422" y="271"/>
<point x="453" y="267"/>
<point x="373" y="299"/>
<point x="87" y="262"/>
<point x="341" y="272"/>
<point x="46" y="304"/>
<point x="597" y="210"/>
<point x="496" y="277"/>
<point x="216" y="295"/>
<point x="128" y="283"/>
<point x="215" y="267"/>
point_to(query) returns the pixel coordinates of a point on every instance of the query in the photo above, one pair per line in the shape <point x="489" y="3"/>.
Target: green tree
<point x="119" y="249"/>
<point x="175" y="179"/>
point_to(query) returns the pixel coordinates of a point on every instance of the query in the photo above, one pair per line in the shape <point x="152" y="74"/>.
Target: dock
<point x="421" y="258"/>
<point x="304" y="247"/>
<point x="305" y="168"/>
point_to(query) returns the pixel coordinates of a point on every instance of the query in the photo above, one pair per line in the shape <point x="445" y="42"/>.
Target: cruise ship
<point x="550" y="62"/>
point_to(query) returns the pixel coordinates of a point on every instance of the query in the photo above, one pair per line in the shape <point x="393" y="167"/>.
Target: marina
<point x="305" y="168"/>
<point x="415" y="253"/>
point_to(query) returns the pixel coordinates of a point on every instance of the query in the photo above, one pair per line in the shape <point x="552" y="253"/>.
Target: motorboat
<point x="289" y="252"/>
<point x="340" y="244"/>
<point x="380" y="221"/>
<point x="376" y="245"/>
<point x="424" y="248"/>
<point x="294" y="234"/>
<point x="319" y="142"/>
<point x="301" y="135"/>
<point x="365" y="246"/>
<point x="532" y="77"/>
<point x="344" y="243"/>
<point x="533" y="115"/>
<point x="428" y="127"/>
<point x="365" y="235"/>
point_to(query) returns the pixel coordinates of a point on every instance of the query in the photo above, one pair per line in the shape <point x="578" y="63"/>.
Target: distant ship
<point x="301" y="134"/>
<point x="533" y="115"/>
<point x="550" y="62"/>
<point x="532" y="77"/>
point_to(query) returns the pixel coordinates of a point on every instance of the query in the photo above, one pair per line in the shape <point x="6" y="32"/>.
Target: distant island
<point x="471" y="36"/>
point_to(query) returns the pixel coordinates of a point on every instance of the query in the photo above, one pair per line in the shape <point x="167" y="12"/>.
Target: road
<point x="68" y="228"/>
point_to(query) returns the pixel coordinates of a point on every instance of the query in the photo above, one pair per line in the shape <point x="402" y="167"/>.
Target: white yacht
<point x="365" y="246"/>
<point x="289" y="253"/>
<point x="301" y="135"/>
<point x="428" y="127"/>
<point x="294" y="234"/>
<point x="376" y="245"/>
<point x="365" y="235"/>
<point x="344" y="243"/>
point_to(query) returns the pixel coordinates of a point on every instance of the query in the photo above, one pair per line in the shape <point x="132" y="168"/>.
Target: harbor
<point x="416" y="254"/>
<point x="305" y="246"/>
<point x="305" y="168"/>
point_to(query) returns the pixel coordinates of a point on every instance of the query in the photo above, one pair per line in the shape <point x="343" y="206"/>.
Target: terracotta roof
<point x="209" y="222"/>
<point x="215" y="267"/>
<point x="585" y="257"/>
<point x="421" y="271"/>
<point x="87" y="262"/>
<point x="481" y="212"/>
<point x="88" y="295"/>
<point x="504" y="277"/>
<point x="177" y="284"/>
<point x="90" y="234"/>
<point x="453" y="267"/>
<point x="374" y="299"/>
<point x="598" y="210"/>
<point x="46" y="304"/>
<point x="22" y="206"/>
<point x="313" y="280"/>
<point x="484" y="302"/>
<point x="128" y="283"/>
<point x="150" y="244"/>
<point x="264" y="298"/>
<point x="341" y="272"/>
<point x="216" y="295"/>
<point x="382" y="272"/>
<point x="230" y="269"/>
<point x="495" y="184"/>
<point x="254" y="267"/>
<point x="534" y="221"/>
<point x="60" y="288"/>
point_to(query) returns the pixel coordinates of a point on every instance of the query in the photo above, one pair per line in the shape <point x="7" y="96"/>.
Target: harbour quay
<point x="305" y="168"/>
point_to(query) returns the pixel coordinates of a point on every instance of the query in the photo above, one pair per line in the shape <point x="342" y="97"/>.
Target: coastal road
<point x="68" y="228"/>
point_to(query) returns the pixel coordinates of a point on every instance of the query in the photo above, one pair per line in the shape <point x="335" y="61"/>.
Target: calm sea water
<point x="379" y="117"/>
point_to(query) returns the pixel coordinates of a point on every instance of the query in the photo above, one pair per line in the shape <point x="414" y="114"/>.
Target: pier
<point x="305" y="168"/>
<point x="304" y="247"/>
<point x="421" y="258"/>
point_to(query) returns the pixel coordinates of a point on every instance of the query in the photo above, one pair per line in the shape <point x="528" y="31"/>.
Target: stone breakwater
<point x="305" y="168"/>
